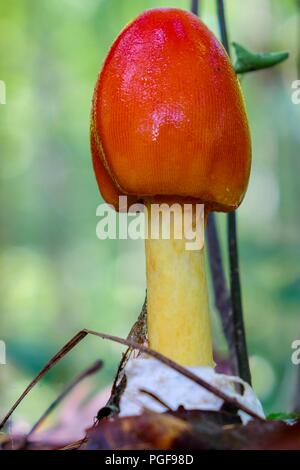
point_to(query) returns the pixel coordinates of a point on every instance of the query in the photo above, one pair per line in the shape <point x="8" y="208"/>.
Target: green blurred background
<point x="56" y="276"/>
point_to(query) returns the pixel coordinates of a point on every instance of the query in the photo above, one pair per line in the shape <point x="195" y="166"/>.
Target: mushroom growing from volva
<point x="169" y="126"/>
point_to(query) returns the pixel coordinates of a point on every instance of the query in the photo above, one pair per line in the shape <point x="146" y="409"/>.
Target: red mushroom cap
<point x="168" y="115"/>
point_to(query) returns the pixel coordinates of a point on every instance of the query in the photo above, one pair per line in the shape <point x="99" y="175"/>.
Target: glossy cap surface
<point x="168" y="115"/>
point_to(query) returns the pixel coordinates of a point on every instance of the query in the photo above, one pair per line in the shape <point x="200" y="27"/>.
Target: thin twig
<point x="235" y="285"/>
<point x="195" y="7"/>
<point x="138" y="334"/>
<point x="221" y="293"/>
<point x="54" y="360"/>
<point x="74" y="445"/>
<point x="222" y="25"/>
<point x="236" y="299"/>
<point x="156" y="398"/>
<point x="86" y="373"/>
<point x="133" y="345"/>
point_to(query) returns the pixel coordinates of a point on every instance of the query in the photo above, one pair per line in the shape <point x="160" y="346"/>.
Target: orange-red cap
<point x="168" y="115"/>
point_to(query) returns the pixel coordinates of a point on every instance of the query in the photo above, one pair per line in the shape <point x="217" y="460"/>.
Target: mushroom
<point x="168" y="125"/>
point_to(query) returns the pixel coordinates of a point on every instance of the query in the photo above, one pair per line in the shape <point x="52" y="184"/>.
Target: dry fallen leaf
<point x="191" y="430"/>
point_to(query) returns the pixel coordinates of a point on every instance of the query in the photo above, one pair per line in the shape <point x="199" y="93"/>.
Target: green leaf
<point x="289" y="418"/>
<point x="248" y="61"/>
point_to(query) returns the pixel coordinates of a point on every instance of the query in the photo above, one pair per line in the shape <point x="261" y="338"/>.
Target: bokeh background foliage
<point x="56" y="277"/>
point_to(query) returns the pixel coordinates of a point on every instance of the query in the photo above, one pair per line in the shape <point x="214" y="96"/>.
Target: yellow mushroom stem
<point x="177" y="296"/>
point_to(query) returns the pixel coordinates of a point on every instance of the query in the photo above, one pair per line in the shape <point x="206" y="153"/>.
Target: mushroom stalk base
<point x="177" y="297"/>
<point x="174" y="390"/>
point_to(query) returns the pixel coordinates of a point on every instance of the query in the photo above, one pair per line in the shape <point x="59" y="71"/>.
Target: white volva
<point x="174" y="389"/>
